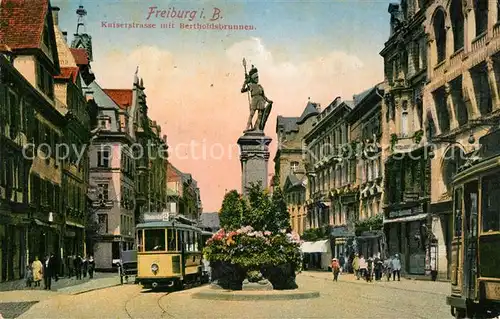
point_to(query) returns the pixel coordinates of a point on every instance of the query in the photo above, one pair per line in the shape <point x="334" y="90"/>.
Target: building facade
<point x="31" y="175"/>
<point x="461" y="99"/>
<point x="407" y="164"/>
<point x="183" y="194"/>
<point x="289" y="168"/>
<point x="333" y="203"/>
<point x="365" y="124"/>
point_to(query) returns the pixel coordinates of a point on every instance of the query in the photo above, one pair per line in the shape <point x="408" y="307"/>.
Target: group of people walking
<point x="369" y="269"/>
<point x="49" y="269"/>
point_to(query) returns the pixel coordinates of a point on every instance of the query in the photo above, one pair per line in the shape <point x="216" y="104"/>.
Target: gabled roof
<point x="289" y="124"/>
<point x="80" y="55"/>
<point x="100" y="97"/>
<point x="69" y="73"/>
<point x="22" y="23"/>
<point x="310" y="110"/>
<point x="292" y="181"/>
<point x="122" y="97"/>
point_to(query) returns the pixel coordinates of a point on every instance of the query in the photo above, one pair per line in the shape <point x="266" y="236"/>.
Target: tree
<point x="233" y="210"/>
<point x="279" y="217"/>
<point x="258" y="215"/>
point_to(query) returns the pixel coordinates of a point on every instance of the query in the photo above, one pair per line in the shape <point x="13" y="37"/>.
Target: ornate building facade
<point x="365" y="124"/>
<point x="407" y="164"/>
<point x="461" y="99"/>
<point x="289" y="168"/>
<point x="333" y="203"/>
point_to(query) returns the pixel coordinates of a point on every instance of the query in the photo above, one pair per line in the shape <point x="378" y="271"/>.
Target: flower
<point x="267" y="233"/>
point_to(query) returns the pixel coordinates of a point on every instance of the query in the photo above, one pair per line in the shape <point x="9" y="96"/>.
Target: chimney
<point x="55" y="15"/>
<point x="65" y="35"/>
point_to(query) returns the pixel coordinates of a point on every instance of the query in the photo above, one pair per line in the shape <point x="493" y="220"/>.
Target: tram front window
<point x="155" y="239"/>
<point x="491" y="203"/>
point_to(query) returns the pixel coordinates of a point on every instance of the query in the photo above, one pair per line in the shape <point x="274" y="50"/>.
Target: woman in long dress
<point x="37" y="271"/>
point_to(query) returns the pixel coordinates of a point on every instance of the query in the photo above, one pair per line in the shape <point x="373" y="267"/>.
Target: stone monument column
<point x="254" y="157"/>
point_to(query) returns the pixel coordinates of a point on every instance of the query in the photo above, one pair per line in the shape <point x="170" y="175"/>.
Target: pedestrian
<point x="48" y="272"/>
<point x="85" y="266"/>
<point x="388" y="268"/>
<point x="77" y="265"/>
<point x="378" y="267"/>
<point x="37" y="268"/>
<point x="28" y="276"/>
<point x="91" y="266"/>
<point x="335" y="269"/>
<point x="355" y="265"/>
<point x="396" y="268"/>
<point x="363" y="267"/>
<point x="69" y="265"/>
<point x="369" y="270"/>
<point x="55" y="266"/>
<point x="342" y="263"/>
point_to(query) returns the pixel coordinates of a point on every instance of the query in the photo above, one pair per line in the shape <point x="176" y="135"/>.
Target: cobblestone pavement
<point x="15" y="309"/>
<point x="347" y="298"/>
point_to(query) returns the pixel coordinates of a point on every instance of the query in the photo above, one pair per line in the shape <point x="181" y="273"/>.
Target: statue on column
<point x="257" y="100"/>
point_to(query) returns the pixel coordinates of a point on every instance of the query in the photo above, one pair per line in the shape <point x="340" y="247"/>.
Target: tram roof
<point x="165" y="224"/>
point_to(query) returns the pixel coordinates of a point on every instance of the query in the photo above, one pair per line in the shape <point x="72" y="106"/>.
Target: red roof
<point x="22" y="22"/>
<point x="81" y="56"/>
<point x="68" y="73"/>
<point x="122" y="97"/>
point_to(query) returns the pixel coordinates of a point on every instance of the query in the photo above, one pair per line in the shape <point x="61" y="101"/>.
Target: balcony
<point x="479" y="42"/>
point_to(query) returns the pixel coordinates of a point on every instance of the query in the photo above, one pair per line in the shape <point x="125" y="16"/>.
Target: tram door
<point x="470" y="239"/>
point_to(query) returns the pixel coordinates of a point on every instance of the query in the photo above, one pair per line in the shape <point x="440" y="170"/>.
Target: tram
<point x="169" y="253"/>
<point x="475" y="248"/>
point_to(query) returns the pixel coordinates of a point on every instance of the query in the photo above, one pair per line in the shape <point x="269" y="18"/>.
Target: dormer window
<point x="105" y="124"/>
<point x="294" y="166"/>
<point x="44" y="81"/>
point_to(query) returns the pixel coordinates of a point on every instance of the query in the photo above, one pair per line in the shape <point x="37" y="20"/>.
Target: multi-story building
<point x="407" y="164"/>
<point x="183" y="194"/>
<point x="289" y="166"/>
<point x="33" y="224"/>
<point x="331" y="171"/>
<point x="461" y="99"/>
<point x="365" y="124"/>
<point x="157" y="180"/>
<point x="71" y="102"/>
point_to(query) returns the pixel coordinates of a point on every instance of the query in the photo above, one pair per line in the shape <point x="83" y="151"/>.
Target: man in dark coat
<point x="49" y="268"/>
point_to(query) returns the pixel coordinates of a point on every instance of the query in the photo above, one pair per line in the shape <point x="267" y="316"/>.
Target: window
<point x="103" y="191"/>
<point x="103" y="222"/>
<point x="294" y="166"/>
<point x="171" y="240"/>
<point x="196" y="242"/>
<point x="155" y="239"/>
<point x="404" y="120"/>
<point x="481" y="15"/>
<point x="180" y="241"/>
<point x="457" y="21"/>
<point x="115" y="250"/>
<point x="416" y="56"/>
<point x="140" y="242"/>
<point x="457" y="213"/>
<point x="440" y="34"/>
<point x="103" y="157"/>
<point x="491" y="203"/>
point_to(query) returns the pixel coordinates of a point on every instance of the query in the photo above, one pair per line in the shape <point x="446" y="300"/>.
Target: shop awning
<point x="320" y="246"/>
<point x="41" y="223"/>
<point x="405" y="219"/>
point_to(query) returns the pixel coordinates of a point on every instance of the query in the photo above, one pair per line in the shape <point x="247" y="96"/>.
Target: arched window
<point x="457" y="21"/>
<point x="440" y="33"/>
<point x="404" y="119"/>
<point x="481" y="13"/>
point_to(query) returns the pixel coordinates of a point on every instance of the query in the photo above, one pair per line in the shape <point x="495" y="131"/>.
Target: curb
<point x="94" y="289"/>
<point x="245" y="296"/>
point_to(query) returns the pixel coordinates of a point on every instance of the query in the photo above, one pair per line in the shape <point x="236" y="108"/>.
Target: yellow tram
<point x="475" y="249"/>
<point x="169" y="253"/>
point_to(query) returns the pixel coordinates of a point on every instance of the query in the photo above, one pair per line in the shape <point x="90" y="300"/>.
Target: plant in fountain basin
<point x="265" y="245"/>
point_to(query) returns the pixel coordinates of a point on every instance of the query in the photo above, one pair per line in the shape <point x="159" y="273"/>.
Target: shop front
<point x="12" y="249"/>
<point x="316" y="255"/>
<point x="405" y="232"/>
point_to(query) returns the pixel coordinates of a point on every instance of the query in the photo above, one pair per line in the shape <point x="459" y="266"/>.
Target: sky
<point x="302" y="49"/>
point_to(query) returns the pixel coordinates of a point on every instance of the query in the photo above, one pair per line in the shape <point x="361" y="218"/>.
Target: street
<point x="347" y="298"/>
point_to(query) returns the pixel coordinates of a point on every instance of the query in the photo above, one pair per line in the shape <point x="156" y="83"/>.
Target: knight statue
<point x="258" y="101"/>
